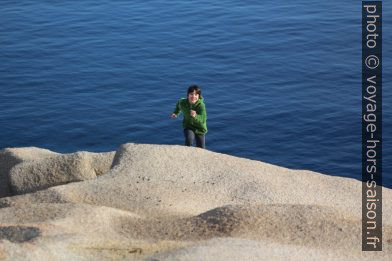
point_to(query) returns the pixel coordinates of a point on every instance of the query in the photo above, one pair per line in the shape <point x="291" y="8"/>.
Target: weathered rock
<point x="10" y="157"/>
<point x="25" y="170"/>
<point x="169" y="202"/>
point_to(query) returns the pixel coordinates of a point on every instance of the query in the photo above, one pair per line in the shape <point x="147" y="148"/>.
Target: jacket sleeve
<point x="201" y="117"/>
<point x="177" y="110"/>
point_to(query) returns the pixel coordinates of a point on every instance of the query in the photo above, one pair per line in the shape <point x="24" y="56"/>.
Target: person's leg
<point x="201" y="141"/>
<point x="189" y="137"/>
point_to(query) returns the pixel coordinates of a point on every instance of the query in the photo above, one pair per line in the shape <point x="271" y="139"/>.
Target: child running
<point x="195" y="117"/>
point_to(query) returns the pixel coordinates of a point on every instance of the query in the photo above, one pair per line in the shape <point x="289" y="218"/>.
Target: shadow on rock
<point x="18" y="234"/>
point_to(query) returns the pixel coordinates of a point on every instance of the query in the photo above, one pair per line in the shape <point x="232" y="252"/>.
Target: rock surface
<point x="25" y="170"/>
<point x="170" y="202"/>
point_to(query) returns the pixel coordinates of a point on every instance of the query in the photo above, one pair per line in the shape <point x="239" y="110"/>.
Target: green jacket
<point x="198" y="123"/>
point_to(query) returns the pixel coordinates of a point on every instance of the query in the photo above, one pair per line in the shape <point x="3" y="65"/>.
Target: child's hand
<point x="193" y="113"/>
<point x="173" y="116"/>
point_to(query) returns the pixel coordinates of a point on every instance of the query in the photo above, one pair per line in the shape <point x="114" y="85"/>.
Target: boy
<point x="195" y="116"/>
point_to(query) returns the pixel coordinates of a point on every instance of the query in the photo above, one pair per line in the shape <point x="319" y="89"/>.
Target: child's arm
<point x="201" y="117"/>
<point x="177" y="110"/>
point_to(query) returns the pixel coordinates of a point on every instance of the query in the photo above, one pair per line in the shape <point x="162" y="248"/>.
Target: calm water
<point x="281" y="79"/>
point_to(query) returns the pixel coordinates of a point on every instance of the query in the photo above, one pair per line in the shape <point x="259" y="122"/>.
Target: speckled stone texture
<point x="171" y="202"/>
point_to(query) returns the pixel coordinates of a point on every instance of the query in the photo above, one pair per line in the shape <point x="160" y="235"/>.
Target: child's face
<point x="193" y="97"/>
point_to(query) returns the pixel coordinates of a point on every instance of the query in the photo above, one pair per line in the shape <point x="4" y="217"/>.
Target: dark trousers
<point x="190" y="137"/>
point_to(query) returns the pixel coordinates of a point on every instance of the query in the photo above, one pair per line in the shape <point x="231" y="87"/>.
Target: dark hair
<point x="193" y="88"/>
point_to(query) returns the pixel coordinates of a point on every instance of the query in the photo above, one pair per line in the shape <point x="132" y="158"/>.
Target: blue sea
<point x="281" y="79"/>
